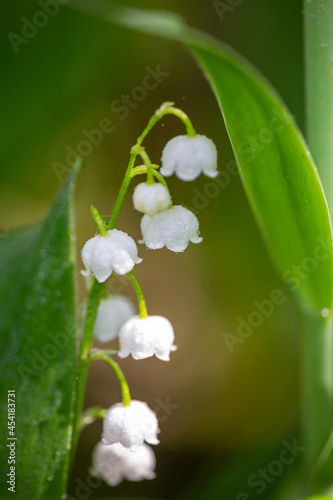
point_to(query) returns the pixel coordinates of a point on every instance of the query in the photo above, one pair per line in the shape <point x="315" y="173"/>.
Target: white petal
<point x="86" y="254"/>
<point x="144" y="337"/>
<point x="112" y="313"/>
<point x="130" y="425"/>
<point x="174" y="228"/>
<point x="151" y="198"/>
<point x="113" y="463"/>
<point x="188" y="157"/>
<point x="114" y="252"/>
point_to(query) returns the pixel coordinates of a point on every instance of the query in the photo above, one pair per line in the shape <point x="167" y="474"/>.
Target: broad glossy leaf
<point x="278" y="174"/>
<point x="37" y="350"/>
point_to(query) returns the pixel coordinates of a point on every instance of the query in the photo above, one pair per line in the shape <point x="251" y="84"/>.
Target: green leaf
<point x="319" y="497"/>
<point x="37" y="351"/>
<point x="321" y="473"/>
<point x="278" y="173"/>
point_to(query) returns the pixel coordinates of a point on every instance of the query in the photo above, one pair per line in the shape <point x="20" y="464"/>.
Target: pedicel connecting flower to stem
<point x="122" y="452"/>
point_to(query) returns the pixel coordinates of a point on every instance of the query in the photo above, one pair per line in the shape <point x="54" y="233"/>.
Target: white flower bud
<point x="151" y="199"/>
<point x="173" y="228"/>
<point x="130" y="425"/>
<point x="113" y="463"/>
<point x="189" y="156"/>
<point x="104" y="254"/>
<point x="112" y="313"/>
<point x="144" y="337"/>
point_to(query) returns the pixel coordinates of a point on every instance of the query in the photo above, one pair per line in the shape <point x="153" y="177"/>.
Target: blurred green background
<point x="58" y="86"/>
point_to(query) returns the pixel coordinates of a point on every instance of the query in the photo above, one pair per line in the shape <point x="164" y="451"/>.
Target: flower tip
<point x="212" y="175"/>
<point x="153" y="440"/>
<point x="163" y="357"/>
<point x="123" y="354"/>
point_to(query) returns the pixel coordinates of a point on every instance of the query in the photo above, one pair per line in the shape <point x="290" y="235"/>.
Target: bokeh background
<point x="68" y="77"/>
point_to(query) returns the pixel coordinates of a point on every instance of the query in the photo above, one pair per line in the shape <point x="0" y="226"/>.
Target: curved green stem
<point x="142" y="169"/>
<point x="185" y="119"/>
<point x="122" y="192"/>
<point x="96" y="293"/>
<point x="99" y="220"/>
<point x="140" y="150"/>
<point x="161" y="179"/>
<point x="143" y="313"/>
<point x="103" y="356"/>
<point x="90" y="415"/>
<point x="165" y="109"/>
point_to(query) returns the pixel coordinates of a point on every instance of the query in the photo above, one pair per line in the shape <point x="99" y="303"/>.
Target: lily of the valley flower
<point x="174" y="228"/>
<point x="114" y="252"/>
<point x="144" y="337"/>
<point x="130" y="425"/>
<point x="151" y="199"/>
<point x="112" y="313"/>
<point x="113" y="463"/>
<point x="188" y="157"/>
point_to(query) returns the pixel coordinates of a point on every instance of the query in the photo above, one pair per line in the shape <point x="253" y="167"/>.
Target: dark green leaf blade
<point x="278" y="174"/>
<point x="37" y="350"/>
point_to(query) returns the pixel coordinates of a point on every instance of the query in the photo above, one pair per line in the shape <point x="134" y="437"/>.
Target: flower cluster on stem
<point x="123" y="452"/>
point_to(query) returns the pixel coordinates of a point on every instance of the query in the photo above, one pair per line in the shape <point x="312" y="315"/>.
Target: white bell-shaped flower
<point x="112" y="313"/>
<point x="188" y="157"/>
<point x="173" y="228"/>
<point x="104" y="254"/>
<point x="151" y="199"/>
<point x="144" y="337"/>
<point x="130" y="425"/>
<point x="113" y="463"/>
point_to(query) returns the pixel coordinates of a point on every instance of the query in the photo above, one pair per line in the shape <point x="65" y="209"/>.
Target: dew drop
<point x="325" y="312"/>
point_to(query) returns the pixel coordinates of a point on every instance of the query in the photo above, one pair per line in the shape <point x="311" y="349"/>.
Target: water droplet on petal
<point x="325" y="312"/>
